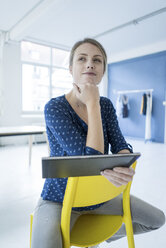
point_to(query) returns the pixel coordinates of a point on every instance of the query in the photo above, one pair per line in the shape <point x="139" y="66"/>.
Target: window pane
<point x="60" y="58"/>
<point x="61" y="82"/>
<point x="31" y="52"/>
<point x="61" y="78"/>
<point x="35" y="90"/>
<point x="59" y="92"/>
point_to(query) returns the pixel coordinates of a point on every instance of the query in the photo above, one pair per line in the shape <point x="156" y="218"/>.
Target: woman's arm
<point x="124" y="151"/>
<point x="89" y="95"/>
<point x="95" y="137"/>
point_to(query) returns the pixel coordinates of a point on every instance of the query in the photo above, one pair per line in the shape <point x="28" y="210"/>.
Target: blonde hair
<point x="91" y="41"/>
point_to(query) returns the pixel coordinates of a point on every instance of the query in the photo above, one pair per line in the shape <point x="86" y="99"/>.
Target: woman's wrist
<point x="92" y="105"/>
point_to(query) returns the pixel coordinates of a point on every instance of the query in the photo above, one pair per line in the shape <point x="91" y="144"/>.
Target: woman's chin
<point x="90" y="81"/>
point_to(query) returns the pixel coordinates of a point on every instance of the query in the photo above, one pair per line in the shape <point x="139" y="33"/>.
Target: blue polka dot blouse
<point x="67" y="134"/>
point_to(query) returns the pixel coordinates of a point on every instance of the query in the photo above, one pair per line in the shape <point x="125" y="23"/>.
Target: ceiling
<point x="63" y="22"/>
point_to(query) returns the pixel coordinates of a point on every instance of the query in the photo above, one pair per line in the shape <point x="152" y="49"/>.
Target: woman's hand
<point x="87" y="93"/>
<point x="119" y="176"/>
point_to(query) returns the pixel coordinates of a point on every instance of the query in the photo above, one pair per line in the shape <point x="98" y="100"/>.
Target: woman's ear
<point x="70" y="70"/>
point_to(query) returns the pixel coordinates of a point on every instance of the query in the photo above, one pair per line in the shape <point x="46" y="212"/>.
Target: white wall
<point x="11" y="112"/>
<point x="138" y="52"/>
<point x="1" y="68"/>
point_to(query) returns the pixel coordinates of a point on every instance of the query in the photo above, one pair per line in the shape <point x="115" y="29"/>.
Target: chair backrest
<point x="93" y="190"/>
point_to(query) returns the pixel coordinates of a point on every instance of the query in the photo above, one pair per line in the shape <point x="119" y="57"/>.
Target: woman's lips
<point x="89" y="73"/>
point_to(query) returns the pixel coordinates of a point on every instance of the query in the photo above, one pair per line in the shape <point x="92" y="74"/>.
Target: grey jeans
<point x="46" y="232"/>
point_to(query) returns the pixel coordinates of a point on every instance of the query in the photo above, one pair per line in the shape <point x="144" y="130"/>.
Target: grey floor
<point x="21" y="185"/>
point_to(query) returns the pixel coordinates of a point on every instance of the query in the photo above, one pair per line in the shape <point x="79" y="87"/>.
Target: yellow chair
<point x="91" y="229"/>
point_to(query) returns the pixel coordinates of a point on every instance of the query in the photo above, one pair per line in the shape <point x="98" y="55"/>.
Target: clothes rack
<point x="148" y="113"/>
<point x="134" y="91"/>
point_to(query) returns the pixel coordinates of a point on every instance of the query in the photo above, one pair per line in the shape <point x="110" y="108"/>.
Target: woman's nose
<point x="90" y="64"/>
<point x="90" y="67"/>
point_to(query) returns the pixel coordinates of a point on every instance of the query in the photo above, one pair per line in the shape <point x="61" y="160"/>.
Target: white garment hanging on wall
<point x="119" y="106"/>
<point x="122" y="106"/>
<point x="148" y="117"/>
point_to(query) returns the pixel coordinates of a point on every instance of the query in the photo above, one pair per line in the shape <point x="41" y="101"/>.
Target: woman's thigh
<point x="46" y="231"/>
<point x="142" y="212"/>
<point x="145" y="217"/>
<point x="46" y="225"/>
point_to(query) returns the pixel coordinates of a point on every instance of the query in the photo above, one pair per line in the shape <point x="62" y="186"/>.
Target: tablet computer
<point x="75" y="166"/>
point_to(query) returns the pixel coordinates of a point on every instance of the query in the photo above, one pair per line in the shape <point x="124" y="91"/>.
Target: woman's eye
<point x="97" y="60"/>
<point x="81" y="59"/>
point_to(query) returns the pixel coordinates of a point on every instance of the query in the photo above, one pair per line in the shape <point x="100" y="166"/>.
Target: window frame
<point x="50" y="69"/>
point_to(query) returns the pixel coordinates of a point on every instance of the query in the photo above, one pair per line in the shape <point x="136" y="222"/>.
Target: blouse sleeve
<point x="66" y="132"/>
<point x="115" y="137"/>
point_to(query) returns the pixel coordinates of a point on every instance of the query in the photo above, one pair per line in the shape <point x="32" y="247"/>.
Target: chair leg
<point x="130" y="240"/>
<point x="31" y="222"/>
<point x="130" y="235"/>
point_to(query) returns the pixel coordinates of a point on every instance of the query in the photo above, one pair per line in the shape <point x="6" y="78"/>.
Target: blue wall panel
<point x="147" y="72"/>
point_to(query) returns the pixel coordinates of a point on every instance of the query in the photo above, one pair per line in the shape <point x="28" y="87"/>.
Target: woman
<point x="83" y="123"/>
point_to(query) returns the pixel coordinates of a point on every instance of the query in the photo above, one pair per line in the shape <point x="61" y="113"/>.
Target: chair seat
<point x="92" y="229"/>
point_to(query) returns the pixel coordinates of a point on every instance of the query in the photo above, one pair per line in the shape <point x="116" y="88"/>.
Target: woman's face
<point x="88" y="64"/>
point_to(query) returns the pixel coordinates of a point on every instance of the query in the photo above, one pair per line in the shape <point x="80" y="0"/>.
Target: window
<point x="45" y="75"/>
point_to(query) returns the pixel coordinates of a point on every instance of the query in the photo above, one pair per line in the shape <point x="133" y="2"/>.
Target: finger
<point x="91" y="85"/>
<point x="124" y="170"/>
<point x="118" y="176"/>
<point x="121" y="178"/>
<point x="116" y="184"/>
<point x="114" y="181"/>
<point x="111" y="180"/>
<point x="77" y="88"/>
<point x="79" y="85"/>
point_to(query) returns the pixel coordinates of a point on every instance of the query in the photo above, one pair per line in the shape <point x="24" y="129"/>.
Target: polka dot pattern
<point x="67" y="134"/>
